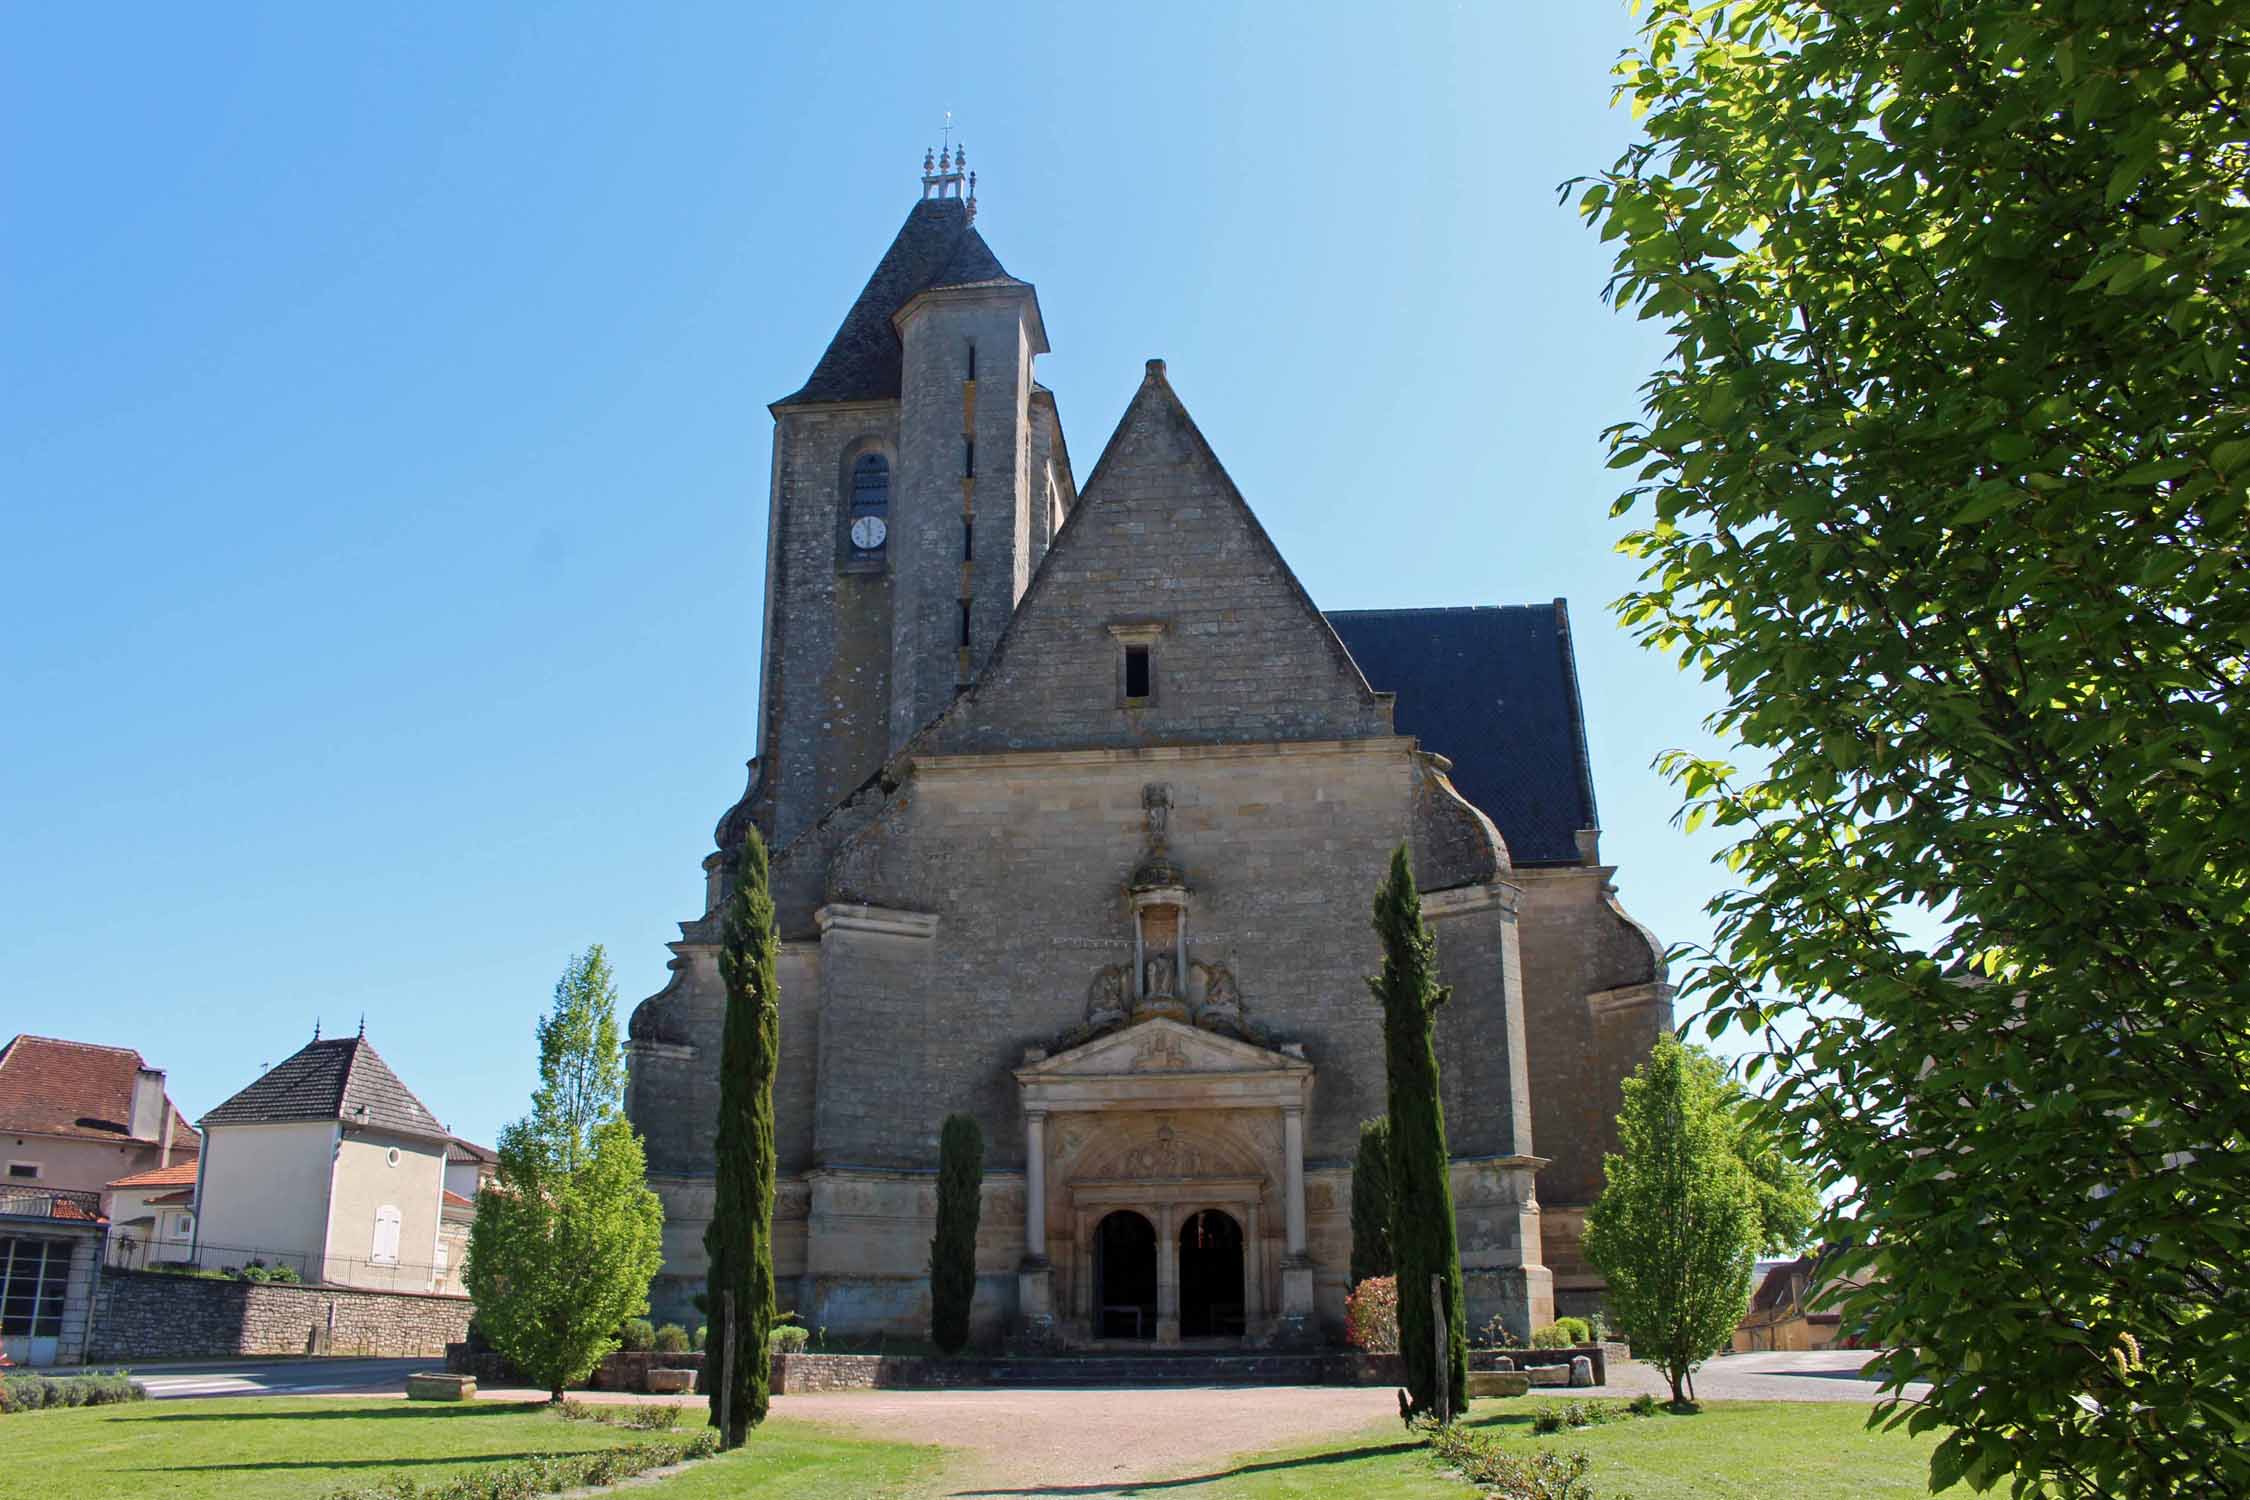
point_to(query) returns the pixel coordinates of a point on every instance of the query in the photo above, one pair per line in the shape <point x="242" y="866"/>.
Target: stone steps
<point x="1145" y="1369"/>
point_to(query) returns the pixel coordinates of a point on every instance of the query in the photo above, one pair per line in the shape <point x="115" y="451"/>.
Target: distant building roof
<point x="341" y="1079"/>
<point x="1495" y="690"/>
<point x="179" y="1174"/>
<point x="169" y="1200"/>
<point x="451" y="1199"/>
<point x="936" y="247"/>
<point x="469" y="1151"/>
<point x="53" y="1087"/>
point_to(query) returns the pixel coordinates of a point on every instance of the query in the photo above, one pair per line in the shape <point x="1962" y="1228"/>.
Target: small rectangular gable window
<point x="27" y="1171"/>
<point x="1136" y="671"/>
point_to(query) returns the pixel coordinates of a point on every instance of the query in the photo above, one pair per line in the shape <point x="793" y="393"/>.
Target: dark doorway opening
<point x="1125" y="1277"/>
<point x="1211" y="1302"/>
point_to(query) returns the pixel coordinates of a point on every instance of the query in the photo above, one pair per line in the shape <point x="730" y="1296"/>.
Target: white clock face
<point x="868" y="533"/>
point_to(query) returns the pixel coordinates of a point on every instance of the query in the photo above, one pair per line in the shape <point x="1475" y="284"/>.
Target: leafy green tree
<point x="1943" y="481"/>
<point x="567" y="1236"/>
<point x="1676" y="1227"/>
<point x="1371" y="1201"/>
<point x="1788" y="1195"/>
<point x="953" y="1249"/>
<point x="738" y="1243"/>
<point x="1425" y="1241"/>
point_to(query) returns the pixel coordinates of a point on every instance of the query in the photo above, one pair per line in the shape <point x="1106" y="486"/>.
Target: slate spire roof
<point x="1496" y="691"/>
<point x="936" y="247"/>
<point x="340" y="1079"/>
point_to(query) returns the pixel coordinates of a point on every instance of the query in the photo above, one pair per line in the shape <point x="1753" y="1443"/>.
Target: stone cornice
<point x="878" y="921"/>
<point x="1154" y="754"/>
<point x="1461" y="900"/>
<point x="1627" y="997"/>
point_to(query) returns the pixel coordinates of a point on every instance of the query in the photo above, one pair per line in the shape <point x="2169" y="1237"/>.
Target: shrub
<point x="787" y="1339"/>
<point x="671" y="1339"/>
<point x="546" y="1472"/>
<point x="1553" y="1336"/>
<point x="636" y="1334"/>
<point x="1643" y="1405"/>
<point x="1576" y="1328"/>
<point x="702" y="1334"/>
<point x="42" y="1392"/>
<point x="1371" y="1315"/>
<point x="259" y="1271"/>
<point x="1483" y="1462"/>
<point x="1597" y="1327"/>
<point x="953" y="1248"/>
<point x="1496" y="1334"/>
<point x="639" y="1416"/>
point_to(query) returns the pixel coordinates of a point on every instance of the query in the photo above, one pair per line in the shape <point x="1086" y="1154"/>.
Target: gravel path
<point x="1093" y="1443"/>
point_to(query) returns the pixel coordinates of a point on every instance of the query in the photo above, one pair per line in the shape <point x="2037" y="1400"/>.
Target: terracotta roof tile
<point x="169" y="1199"/>
<point x="78" y="1089"/>
<point x="179" y="1174"/>
<point x="455" y="1200"/>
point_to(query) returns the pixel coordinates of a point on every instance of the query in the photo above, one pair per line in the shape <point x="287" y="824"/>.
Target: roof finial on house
<point x="316" y="1028"/>
<point x="363" y="1025"/>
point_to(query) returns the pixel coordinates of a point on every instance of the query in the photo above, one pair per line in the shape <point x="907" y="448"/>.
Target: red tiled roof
<point x="179" y="1174"/>
<point x="63" y="1208"/>
<point x="455" y="1200"/>
<point x="53" y="1087"/>
<point x="172" y="1198"/>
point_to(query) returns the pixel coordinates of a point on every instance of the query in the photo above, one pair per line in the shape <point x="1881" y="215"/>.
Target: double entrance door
<point x="1212" y="1276"/>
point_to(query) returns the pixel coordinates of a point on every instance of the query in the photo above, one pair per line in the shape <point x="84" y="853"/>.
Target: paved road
<point x="282" y="1377"/>
<point x="1810" y="1375"/>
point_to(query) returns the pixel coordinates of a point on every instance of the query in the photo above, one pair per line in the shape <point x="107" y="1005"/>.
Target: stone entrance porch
<point x="1165" y="1121"/>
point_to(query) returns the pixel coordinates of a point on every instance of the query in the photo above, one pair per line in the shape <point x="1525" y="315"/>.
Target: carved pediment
<point x="1161" y="1046"/>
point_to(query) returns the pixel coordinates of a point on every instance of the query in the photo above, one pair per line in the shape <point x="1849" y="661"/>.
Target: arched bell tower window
<point x="868" y="523"/>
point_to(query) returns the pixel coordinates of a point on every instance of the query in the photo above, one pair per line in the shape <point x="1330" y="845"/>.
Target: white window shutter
<point x="386" y="1236"/>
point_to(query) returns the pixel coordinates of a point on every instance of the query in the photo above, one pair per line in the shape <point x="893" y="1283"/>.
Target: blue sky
<point x="383" y="457"/>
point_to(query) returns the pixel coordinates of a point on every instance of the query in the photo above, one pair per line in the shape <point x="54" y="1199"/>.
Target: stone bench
<point x="427" y="1387"/>
<point x="670" y="1382"/>
<point x="1499" y="1383"/>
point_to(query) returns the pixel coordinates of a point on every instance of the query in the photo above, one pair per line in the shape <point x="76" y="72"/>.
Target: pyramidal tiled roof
<point x="1495" y="690"/>
<point x="937" y="246"/>
<point x="341" y="1079"/>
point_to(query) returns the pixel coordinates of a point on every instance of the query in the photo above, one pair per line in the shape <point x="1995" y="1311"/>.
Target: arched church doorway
<point x="1211" y="1298"/>
<point x="1125" y="1277"/>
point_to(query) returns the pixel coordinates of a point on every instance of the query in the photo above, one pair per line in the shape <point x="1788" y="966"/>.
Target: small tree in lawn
<point x="738" y="1243"/>
<point x="1677" y="1224"/>
<point x="1371" y="1201"/>
<point x="953" y="1249"/>
<point x="1424" y="1241"/>
<point x="567" y="1235"/>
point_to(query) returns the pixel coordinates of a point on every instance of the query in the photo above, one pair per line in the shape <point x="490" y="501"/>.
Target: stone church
<point x="1078" y="803"/>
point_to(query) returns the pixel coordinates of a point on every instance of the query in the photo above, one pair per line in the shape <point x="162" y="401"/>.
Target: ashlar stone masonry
<point x="1079" y="803"/>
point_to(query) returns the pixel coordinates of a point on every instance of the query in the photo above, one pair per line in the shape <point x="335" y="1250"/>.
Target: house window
<point x="24" y="1171"/>
<point x="34" y="1274"/>
<point x="385" y="1251"/>
<point x="868" y="522"/>
<point x="1136" y="672"/>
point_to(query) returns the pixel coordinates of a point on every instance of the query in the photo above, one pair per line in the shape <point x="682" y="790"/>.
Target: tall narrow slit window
<point x="969" y="457"/>
<point x="964" y="622"/>
<point x="968" y="540"/>
<point x="869" y="523"/>
<point x="1136" y="672"/>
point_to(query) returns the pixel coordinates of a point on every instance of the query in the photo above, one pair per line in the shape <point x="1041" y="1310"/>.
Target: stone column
<point x="1167" y="1276"/>
<point x="1297" y="1320"/>
<point x="1035" y="1278"/>
<point x="1253" y="1270"/>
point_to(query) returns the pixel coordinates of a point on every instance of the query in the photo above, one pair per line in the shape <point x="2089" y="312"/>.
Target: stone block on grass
<point x="427" y="1387"/>
<point x="670" y="1382"/>
<point x="1499" y="1383"/>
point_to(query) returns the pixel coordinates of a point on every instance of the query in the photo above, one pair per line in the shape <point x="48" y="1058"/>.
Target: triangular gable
<point x="1162" y="549"/>
<point x="1160" y="1045"/>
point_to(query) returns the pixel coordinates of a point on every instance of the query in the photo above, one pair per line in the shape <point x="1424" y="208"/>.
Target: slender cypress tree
<point x="953" y="1249"/>
<point x="1424" y="1241"/>
<point x="739" y="1241"/>
<point x="1371" y="1201"/>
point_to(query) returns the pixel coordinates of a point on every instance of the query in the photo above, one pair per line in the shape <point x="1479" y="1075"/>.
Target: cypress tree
<point x="1371" y="1201"/>
<point x="739" y="1241"/>
<point x="1424" y="1242"/>
<point x="953" y="1249"/>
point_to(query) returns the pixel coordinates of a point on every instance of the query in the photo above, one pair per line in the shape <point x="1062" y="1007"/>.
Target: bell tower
<point x="917" y="477"/>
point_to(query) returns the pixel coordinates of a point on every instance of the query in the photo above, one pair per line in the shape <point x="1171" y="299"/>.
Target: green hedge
<point x="40" y="1392"/>
<point x="525" y="1478"/>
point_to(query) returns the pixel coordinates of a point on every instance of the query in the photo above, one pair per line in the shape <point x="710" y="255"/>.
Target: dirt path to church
<point x="1088" y="1444"/>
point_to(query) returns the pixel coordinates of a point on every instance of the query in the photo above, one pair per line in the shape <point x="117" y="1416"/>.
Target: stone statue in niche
<point x="1156" y="802"/>
<point x="1105" y="998"/>
<point x="1218" y="1001"/>
<point x="1159" y="977"/>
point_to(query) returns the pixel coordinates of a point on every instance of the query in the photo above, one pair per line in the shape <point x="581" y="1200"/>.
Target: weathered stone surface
<point x="146" y="1316"/>
<point x="441" y="1388"/>
<point x="1499" y="1383"/>
<point x="1581" y="1371"/>
<point x="669" y="1382"/>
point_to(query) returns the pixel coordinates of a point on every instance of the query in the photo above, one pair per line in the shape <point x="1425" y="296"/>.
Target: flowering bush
<point x="1371" y="1315"/>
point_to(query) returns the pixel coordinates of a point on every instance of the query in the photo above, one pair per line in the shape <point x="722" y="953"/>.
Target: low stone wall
<point x="627" y="1369"/>
<point x="1532" y="1359"/>
<point x="145" y="1315"/>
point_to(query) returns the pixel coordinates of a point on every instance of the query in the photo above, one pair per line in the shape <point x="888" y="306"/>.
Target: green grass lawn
<point x="1744" y="1450"/>
<point x="267" y="1448"/>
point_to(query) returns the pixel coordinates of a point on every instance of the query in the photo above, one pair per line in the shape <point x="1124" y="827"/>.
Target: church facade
<point x="1078" y="803"/>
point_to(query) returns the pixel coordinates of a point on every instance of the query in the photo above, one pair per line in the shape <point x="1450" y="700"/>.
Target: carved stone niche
<point x="1213" y="998"/>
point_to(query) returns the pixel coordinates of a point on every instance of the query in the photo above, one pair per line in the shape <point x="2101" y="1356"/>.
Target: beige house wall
<point x="263" y="1192"/>
<point x="375" y="1169"/>
<point x="169" y="1233"/>
<point x="81" y="1166"/>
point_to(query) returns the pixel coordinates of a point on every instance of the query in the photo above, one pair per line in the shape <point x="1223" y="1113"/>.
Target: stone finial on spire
<point x="947" y="173"/>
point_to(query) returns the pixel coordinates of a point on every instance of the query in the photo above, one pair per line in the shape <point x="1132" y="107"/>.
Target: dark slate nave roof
<point x="1495" y="689"/>
<point x="937" y="246"/>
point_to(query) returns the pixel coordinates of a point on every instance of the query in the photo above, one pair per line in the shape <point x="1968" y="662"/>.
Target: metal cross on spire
<point x="945" y="134"/>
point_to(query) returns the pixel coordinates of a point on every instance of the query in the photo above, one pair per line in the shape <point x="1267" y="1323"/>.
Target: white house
<point x="329" y="1165"/>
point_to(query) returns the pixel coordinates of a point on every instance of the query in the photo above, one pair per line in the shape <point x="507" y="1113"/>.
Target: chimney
<point x="147" y="1123"/>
